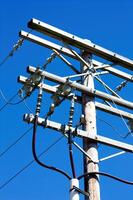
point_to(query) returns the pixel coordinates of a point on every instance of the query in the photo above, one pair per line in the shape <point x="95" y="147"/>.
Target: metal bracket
<point x="80" y="191"/>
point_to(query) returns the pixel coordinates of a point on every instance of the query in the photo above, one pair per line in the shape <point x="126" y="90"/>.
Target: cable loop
<point x="38" y="107"/>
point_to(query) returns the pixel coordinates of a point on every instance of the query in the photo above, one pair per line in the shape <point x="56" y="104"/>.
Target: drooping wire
<point x="9" y="101"/>
<point x="105" y="174"/>
<point x="70" y="139"/>
<point x="15" y="142"/>
<point x="38" y="107"/>
<point x="29" y="164"/>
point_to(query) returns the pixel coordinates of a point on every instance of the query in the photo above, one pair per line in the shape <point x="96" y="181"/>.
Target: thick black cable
<point x="105" y="174"/>
<point x="15" y="142"/>
<point x="29" y="164"/>
<point x="71" y="154"/>
<point x="70" y="139"/>
<point x="35" y="155"/>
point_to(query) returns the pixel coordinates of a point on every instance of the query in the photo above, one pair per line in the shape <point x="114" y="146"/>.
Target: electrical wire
<point x="36" y="157"/>
<point x="27" y="106"/>
<point x="29" y="164"/>
<point x="15" y="142"/>
<point x="7" y="103"/>
<point x="105" y="174"/>
<point x="116" y="107"/>
<point x="14" y="49"/>
<point x="38" y="108"/>
<point x="66" y="61"/>
<point x="114" y="128"/>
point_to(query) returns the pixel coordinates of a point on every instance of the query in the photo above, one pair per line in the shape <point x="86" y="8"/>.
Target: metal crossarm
<point x="80" y="133"/>
<point x="83" y="88"/>
<point x="80" y="43"/>
<point x="63" y="50"/>
<point x="99" y="106"/>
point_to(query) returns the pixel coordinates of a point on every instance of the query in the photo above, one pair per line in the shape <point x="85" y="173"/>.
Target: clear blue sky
<point x="107" y="23"/>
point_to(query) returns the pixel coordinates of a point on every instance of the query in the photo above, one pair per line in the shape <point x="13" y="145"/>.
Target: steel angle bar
<point x="112" y="156"/>
<point x="46" y="43"/>
<point x="114" y="111"/>
<point x="65" y="51"/>
<point x="66" y="61"/>
<point x="57" y="127"/>
<point x="84" y="89"/>
<point x="80" y="133"/>
<point x="80" y="43"/>
<point x="112" y="70"/>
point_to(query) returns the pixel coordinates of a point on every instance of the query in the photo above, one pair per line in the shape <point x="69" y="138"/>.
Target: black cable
<point x="35" y="155"/>
<point x="29" y="164"/>
<point x="15" y="142"/>
<point x="70" y="140"/>
<point x="71" y="153"/>
<point x="105" y="174"/>
<point x="38" y="107"/>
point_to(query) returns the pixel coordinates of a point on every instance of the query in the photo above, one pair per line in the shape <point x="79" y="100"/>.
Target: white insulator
<point x="74" y="195"/>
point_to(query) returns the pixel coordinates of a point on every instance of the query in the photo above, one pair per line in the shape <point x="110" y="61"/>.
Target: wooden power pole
<point x="91" y="184"/>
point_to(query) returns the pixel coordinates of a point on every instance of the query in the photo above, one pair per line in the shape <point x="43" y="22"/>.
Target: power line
<point x="14" y="49"/>
<point x="114" y="128"/>
<point x="26" y="105"/>
<point x="115" y="106"/>
<point x="15" y="142"/>
<point x="7" y="103"/>
<point x="29" y="164"/>
<point x="105" y="174"/>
